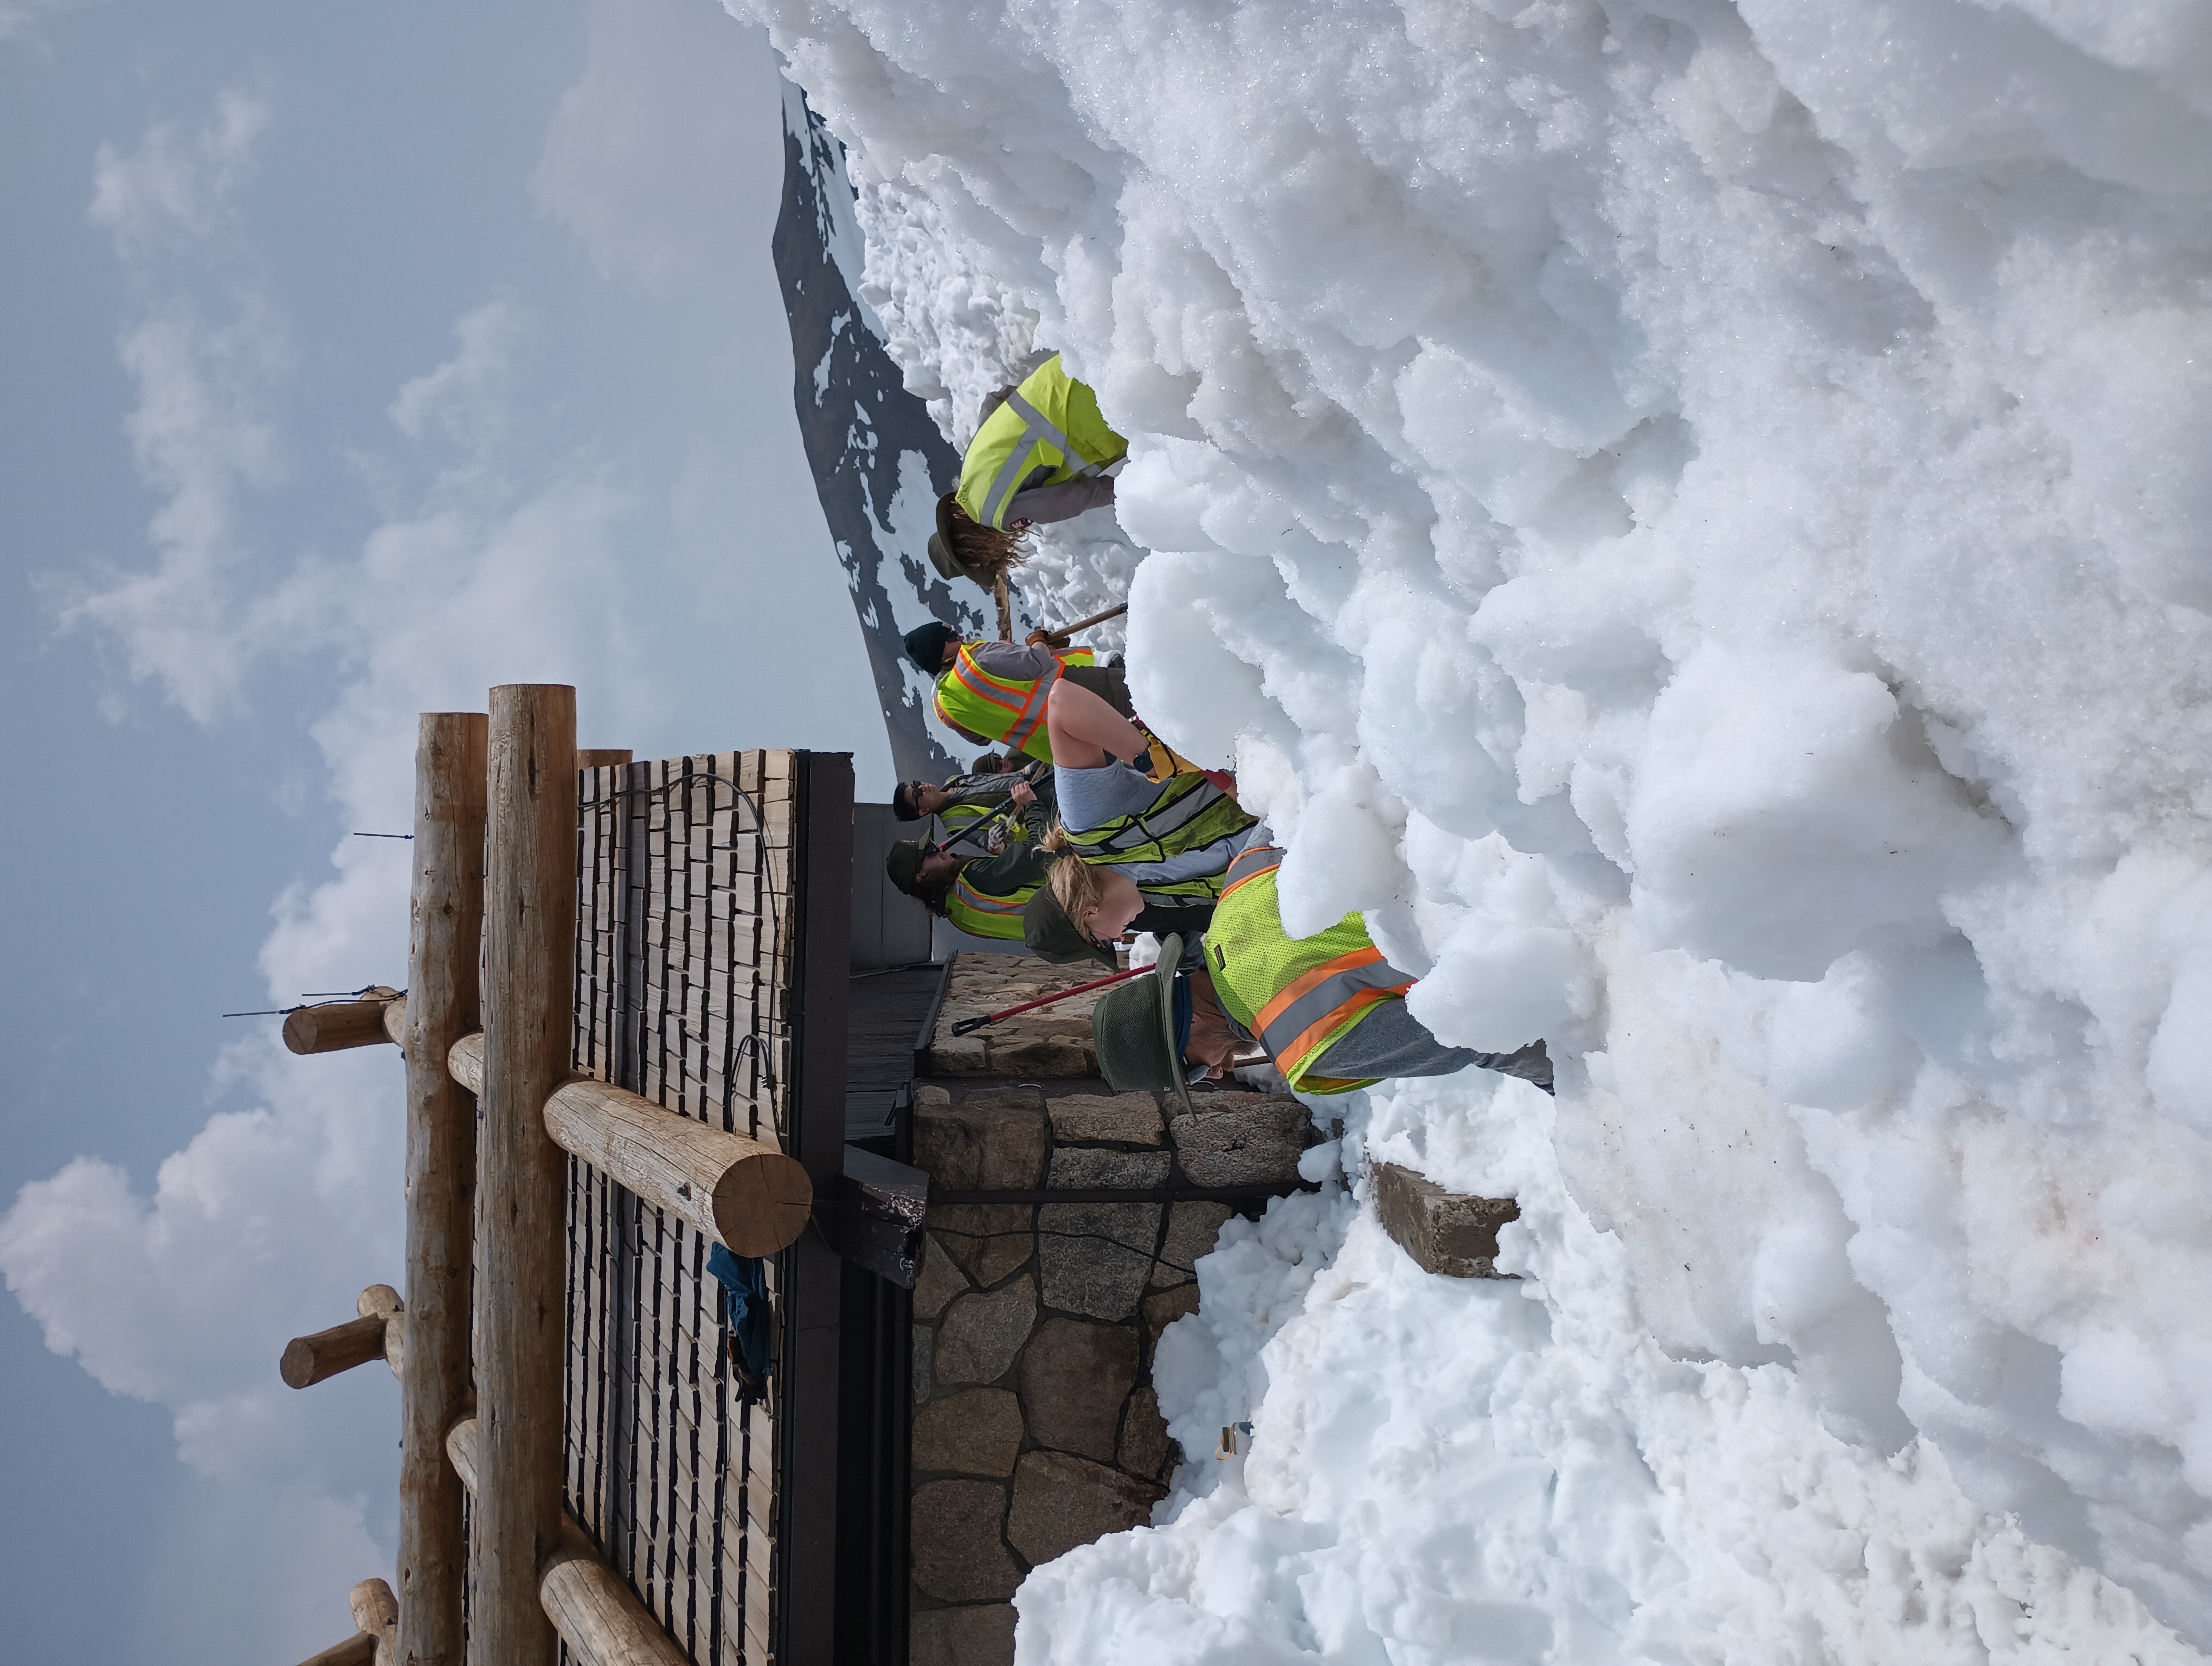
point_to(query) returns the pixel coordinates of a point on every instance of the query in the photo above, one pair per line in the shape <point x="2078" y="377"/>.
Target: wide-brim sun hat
<point x="1132" y="1031"/>
<point x="941" y="542"/>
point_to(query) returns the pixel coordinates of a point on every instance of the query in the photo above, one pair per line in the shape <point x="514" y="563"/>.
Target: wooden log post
<point x="445" y="942"/>
<point x="376" y="1611"/>
<point x="737" y="1191"/>
<point x="530" y="953"/>
<point x="359" y="1650"/>
<point x="374" y="1335"/>
<point x="311" y="1359"/>
<point x="597" y="1615"/>
<point x="376" y="1630"/>
<point x="339" y="1024"/>
<point x="381" y="1301"/>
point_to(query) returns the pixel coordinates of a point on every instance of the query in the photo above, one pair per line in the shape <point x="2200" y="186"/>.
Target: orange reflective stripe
<point x="1361" y="978"/>
<point x="1312" y="978"/>
<point x="1250" y="864"/>
<point x="1309" y="1040"/>
<point x="984" y="903"/>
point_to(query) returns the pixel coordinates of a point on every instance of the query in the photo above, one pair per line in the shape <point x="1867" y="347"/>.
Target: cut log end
<point x="339" y="1025"/>
<point x="763" y="1204"/>
<point x="311" y="1359"/>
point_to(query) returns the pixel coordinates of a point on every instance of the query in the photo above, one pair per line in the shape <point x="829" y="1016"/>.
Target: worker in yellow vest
<point x="995" y="693"/>
<point x="1328" y="1008"/>
<point x="1123" y="832"/>
<point x="1041" y="452"/>
<point x="987" y="896"/>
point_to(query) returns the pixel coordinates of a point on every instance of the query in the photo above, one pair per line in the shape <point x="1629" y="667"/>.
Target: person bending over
<point x="1041" y="452"/>
<point x="995" y="693"/>
<point x="1328" y="1008"/>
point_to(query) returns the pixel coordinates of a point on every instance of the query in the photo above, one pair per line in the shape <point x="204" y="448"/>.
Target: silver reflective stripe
<point x="1259" y="860"/>
<point x="1149" y="826"/>
<point x="1016" y="468"/>
<point x="1325" y="997"/>
<point x="1035" y="418"/>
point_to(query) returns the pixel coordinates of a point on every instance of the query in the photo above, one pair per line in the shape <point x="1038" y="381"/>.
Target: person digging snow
<point x="1041" y="452"/>
<point x="994" y="693"/>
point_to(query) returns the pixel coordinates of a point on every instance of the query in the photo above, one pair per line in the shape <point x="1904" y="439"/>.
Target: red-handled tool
<point x="967" y="1025"/>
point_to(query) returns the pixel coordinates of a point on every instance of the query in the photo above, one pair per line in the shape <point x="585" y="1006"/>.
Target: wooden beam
<point x="359" y="1650"/>
<point x="381" y="1302"/>
<point x="530" y="954"/>
<point x="740" y="1192"/>
<point x="601" y="757"/>
<point x="376" y="1611"/>
<point x="339" y="1025"/>
<point x="597" y="1615"/>
<point x="311" y="1359"/>
<point x="445" y="943"/>
<point x="811" y="1276"/>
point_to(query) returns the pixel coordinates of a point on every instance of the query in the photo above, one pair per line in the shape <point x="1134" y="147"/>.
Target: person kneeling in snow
<point x="1328" y="1008"/>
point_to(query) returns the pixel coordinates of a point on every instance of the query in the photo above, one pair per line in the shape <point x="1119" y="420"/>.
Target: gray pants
<point x="1391" y="1042"/>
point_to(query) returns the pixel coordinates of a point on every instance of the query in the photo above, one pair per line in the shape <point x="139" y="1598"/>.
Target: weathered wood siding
<point x="684" y="965"/>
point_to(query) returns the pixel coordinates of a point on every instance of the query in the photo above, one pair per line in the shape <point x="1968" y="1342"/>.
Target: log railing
<point x="494" y="1112"/>
<point x="595" y="1613"/>
<point x="375" y="1641"/>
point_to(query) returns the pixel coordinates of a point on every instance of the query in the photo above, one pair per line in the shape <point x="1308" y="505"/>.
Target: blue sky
<point x="352" y="359"/>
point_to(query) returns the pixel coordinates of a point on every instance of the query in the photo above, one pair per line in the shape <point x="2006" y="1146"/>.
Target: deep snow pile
<point x="1695" y="519"/>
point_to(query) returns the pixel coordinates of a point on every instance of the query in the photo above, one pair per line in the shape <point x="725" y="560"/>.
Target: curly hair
<point x="985" y="549"/>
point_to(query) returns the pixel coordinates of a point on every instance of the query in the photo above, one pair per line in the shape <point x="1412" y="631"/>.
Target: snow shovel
<point x="1059" y="638"/>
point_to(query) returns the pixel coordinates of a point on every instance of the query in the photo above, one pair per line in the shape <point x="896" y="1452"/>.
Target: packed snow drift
<point x="1695" y="519"/>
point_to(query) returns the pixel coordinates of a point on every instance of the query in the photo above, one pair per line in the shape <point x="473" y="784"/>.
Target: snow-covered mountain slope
<point x="1695" y="519"/>
<point x="879" y="461"/>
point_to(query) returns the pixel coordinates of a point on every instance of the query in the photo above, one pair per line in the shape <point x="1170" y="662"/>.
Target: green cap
<point x="1132" y="1031"/>
<point x="903" y="865"/>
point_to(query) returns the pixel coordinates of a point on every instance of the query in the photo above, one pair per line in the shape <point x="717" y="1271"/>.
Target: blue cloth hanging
<point x="744" y="1280"/>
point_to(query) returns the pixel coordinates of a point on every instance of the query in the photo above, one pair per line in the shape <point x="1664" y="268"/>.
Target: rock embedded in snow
<point x="1445" y="1232"/>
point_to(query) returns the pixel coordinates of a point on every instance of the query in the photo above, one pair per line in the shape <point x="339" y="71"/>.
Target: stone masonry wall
<point x="1035" y="1427"/>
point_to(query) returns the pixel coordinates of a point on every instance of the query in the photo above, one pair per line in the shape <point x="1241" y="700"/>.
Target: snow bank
<point x="1694" y="518"/>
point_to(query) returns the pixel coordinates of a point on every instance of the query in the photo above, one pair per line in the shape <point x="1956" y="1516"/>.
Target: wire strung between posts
<point x="313" y="997"/>
<point x="383" y="836"/>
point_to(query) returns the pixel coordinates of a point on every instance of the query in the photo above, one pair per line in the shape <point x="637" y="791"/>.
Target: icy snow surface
<point x="1694" y="518"/>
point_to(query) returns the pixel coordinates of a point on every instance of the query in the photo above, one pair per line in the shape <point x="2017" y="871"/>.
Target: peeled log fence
<point x="596" y="1614"/>
<point x="494" y="1112"/>
<point x="737" y="1191"/>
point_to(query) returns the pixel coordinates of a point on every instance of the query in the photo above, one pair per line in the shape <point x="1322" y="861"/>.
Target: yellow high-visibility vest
<point x="1010" y="709"/>
<point x="1050" y="422"/>
<point x="1298" y="996"/>
<point x="1188" y="812"/>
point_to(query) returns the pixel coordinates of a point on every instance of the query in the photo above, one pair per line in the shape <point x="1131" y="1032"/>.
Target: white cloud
<point x="637" y="161"/>
<point x="465" y="399"/>
<point x="178" y="187"/>
<point x="203" y="431"/>
<point x="20" y="18"/>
